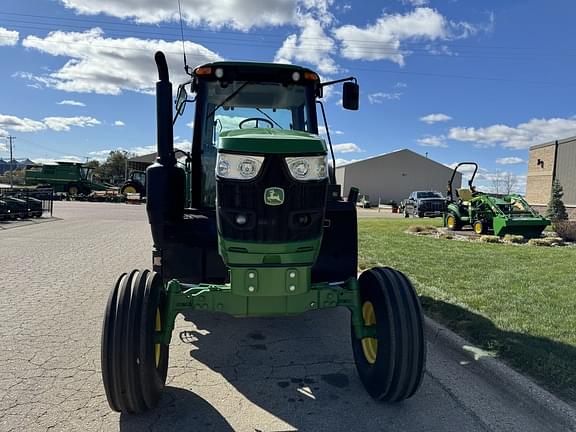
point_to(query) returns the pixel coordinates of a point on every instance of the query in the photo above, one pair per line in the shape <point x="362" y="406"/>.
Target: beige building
<point x="393" y="176"/>
<point x="556" y="159"/>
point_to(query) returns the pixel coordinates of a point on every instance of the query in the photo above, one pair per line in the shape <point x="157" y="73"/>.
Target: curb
<point x="501" y="375"/>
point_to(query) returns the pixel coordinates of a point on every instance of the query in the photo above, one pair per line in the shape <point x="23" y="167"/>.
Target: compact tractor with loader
<point x="264" y="233"/>
<point x="500" y="214"/>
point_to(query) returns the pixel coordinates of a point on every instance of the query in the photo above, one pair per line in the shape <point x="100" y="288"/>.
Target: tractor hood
<point x="268" y="141"/>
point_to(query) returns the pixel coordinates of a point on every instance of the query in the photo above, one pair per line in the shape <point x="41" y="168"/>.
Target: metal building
<point x="393" y="176"/>
<point x="555" y="159"/>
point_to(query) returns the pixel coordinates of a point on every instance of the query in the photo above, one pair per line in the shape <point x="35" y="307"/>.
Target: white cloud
<point x="236" y="14"/>
<point x="55" y="123"/>
<point x="102" y="155"/>
<point x="433" y="141"/>
<point x="400" y="84"/>
<point x="65" y="123"/>
<point x="340" y="161"/>
<point x="379" y="97"/>
<point x="416" y="2"/>
<point x="59" y="159"/>
<point x="435" y="118"/>
<point x="322" y="131"/>
<point x="71" y="102"/>
<point x="346" y="148"/>
<point x="512" y="160"/>
<point x="119" y="123"/>
<point x="312" y="46"/>
<point x="8" y="37"/>
<point x="105" y="65"/>
<point x="20" y="124"/>
<point x="522" y="136"/>
<point x="383" y="40"/>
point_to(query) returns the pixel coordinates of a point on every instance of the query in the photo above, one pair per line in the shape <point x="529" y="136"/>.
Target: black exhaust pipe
<point x="165" y="181"/>
<point x="165" y="133"/>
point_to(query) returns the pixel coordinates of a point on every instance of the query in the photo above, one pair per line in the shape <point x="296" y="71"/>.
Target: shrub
<point x="510" y="238"/>
<point x="421" y="229"/>
<point x="490" y="239"/>
<point x="566" y="230"/>
<point x="539" y="242"/>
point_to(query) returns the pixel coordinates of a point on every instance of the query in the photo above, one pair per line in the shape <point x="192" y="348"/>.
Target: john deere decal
<point x="274" y="196"/>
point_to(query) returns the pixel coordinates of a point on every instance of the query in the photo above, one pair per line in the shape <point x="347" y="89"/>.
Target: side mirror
<point x="350" y="96"/>
<point x="181" y="98"/>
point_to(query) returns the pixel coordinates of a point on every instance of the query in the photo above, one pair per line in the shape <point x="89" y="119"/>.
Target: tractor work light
<point x="238" y="167"/>
<point x="308" y="168"/>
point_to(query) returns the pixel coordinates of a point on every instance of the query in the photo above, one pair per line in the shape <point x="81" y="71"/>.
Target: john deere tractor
<point x="266" y="233"/>
<point x="500" y="214"/>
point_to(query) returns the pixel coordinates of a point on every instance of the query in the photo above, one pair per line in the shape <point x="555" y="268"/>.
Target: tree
<point x="556" y="209"/>
<point x="115" y="165"/>
<point x="504" y="182"/>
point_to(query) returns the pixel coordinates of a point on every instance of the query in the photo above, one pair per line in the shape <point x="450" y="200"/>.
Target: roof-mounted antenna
<point x="182" y="34"/>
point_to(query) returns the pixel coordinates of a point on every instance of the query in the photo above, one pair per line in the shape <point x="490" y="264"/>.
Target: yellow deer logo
<point x="274" y="196"/>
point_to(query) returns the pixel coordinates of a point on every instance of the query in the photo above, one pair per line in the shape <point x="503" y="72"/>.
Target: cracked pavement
<point x="225" y="374"/>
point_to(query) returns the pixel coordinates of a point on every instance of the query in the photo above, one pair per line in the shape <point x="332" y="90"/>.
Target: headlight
<point x="308" y="168"/>
<point x="239" y="167"/>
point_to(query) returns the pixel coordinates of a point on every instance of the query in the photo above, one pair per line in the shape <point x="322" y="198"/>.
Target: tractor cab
<point x="258" y="173"/>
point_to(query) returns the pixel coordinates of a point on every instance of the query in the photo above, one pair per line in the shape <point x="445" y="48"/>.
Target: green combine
<point x="500" y="214"/>
<point x="71" y="177"/>
<point x="264" y="233"/>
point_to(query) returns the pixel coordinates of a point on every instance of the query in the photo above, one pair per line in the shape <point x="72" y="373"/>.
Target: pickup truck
<point x="424" y="204"/>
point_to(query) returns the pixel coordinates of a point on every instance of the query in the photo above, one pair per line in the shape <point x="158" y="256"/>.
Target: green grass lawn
<point x="518" y="302"/>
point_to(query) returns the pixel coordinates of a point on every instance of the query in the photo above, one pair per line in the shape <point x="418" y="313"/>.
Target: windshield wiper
<point x="230" y="96"/>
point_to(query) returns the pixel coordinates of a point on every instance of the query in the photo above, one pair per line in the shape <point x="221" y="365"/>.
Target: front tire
<point x="391" y="366"/>
<point x="453" y="222"/>
<point x="134" y="367"/>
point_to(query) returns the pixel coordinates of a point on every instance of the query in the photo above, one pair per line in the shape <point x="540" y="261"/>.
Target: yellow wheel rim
<point x="369" y="345"/>
<point x="157" y="346"/>
<point x="73" y="190"/>
<point x="451" y="222"/>
<point x="478" y="228"/>
<point x="129" y="189"/>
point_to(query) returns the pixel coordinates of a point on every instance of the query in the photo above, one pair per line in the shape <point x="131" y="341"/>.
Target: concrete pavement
<point x="225" y="374"/>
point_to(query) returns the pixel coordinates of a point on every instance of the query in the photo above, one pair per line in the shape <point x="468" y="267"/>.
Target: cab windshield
<point x="242" y="105"/>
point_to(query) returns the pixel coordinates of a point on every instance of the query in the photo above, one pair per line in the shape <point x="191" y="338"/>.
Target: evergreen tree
<point x="556" y="209"/>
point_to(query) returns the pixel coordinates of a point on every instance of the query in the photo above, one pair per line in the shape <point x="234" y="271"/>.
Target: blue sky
<point x="457" y="79"/>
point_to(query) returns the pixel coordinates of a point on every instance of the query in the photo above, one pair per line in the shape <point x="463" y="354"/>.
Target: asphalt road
<point x="225" y="374"/>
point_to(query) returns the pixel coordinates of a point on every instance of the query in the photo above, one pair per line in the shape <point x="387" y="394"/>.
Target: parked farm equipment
<point x="70" y="177"/>
<point x="23" y="203"/>
<point x="266" y="233"/>
<point x="500" y="214"/>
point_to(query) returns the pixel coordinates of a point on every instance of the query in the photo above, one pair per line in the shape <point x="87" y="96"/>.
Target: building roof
<point x="391" y="154"/>
<point x="560" y="142"/>
<point x="147" y="158"/>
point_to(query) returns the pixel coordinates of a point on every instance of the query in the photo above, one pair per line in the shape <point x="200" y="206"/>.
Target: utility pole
<point x="10" y="141"/>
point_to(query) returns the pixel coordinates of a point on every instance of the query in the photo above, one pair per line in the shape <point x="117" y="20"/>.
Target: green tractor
<point x="500" y="214"/>
<point x="266" y="233"/>
<point x="136" y="183"/>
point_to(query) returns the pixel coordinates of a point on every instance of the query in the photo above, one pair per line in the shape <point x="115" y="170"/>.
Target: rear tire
<point x="134" y="368"/>
<point x="391" y="366"/>
<point x="480" y="227"/>
<point x="73" y="189"/>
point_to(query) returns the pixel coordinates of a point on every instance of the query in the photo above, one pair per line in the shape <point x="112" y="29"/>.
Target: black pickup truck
<point x="424" y="204"/>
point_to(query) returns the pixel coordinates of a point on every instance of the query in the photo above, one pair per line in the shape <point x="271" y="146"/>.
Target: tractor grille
<point x="299" y="218"/>
<point x="432" y="205"/>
